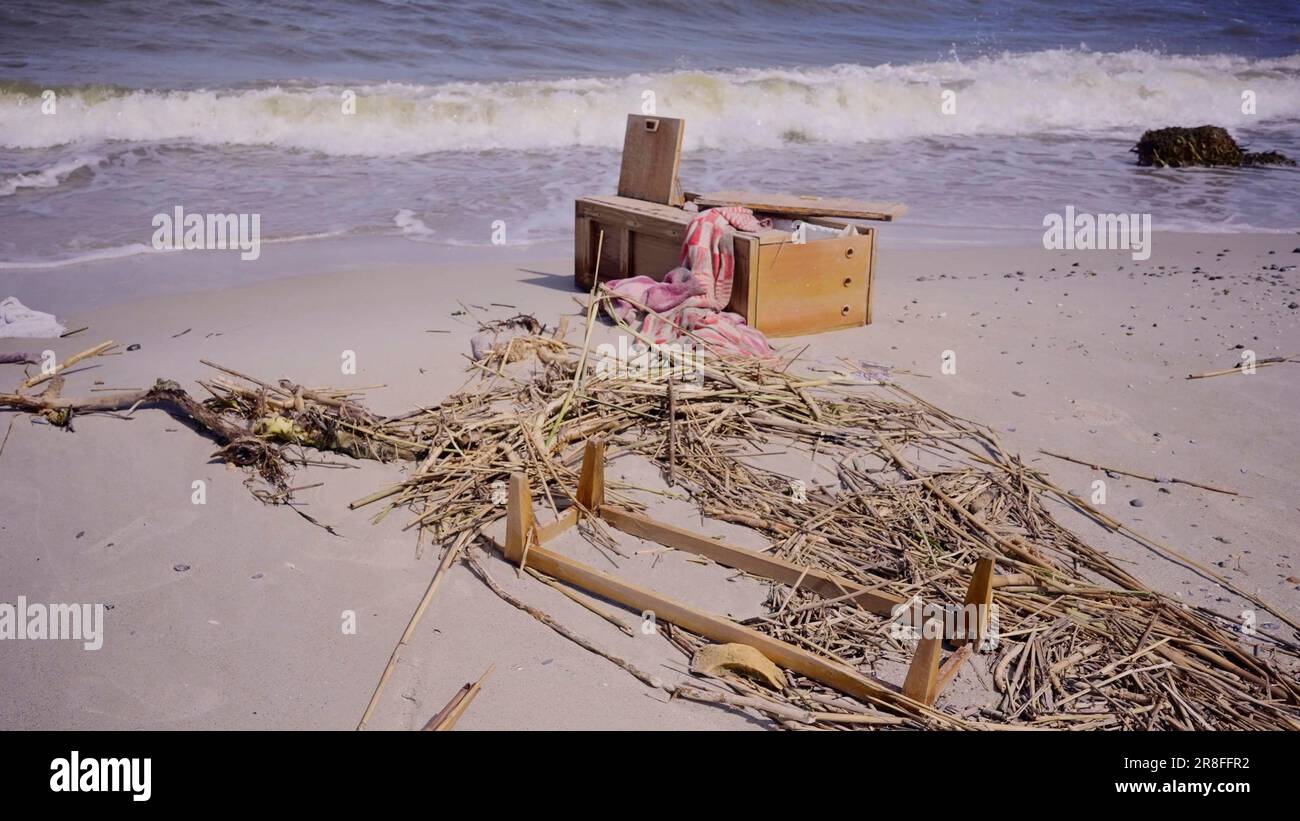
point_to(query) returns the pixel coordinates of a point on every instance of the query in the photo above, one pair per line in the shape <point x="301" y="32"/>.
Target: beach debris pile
<point x="923" y="498"/>
<point x="1206" y="145"/>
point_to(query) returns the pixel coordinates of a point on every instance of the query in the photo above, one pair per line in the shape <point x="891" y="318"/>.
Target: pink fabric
<point x="694" y="295"/>
<point x="709" y="252"/>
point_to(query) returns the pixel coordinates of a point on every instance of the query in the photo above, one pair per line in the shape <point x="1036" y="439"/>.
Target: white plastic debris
<point x="17" y="320"/>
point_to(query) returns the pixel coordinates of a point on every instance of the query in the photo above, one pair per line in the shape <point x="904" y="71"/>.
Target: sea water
<point x="461" y="124"/>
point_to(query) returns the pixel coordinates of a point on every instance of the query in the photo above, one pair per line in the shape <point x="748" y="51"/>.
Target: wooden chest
<point x="782" y="287"/>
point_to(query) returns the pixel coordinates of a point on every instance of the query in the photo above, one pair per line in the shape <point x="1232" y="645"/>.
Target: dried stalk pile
<point x="921" y="495"/>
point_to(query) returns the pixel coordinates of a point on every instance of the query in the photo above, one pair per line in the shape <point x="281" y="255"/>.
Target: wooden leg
<point x="583" y="264"/>
<point x="520" y="528"/>
<point x="591" y="484"/>
<point x="923" y="676"/>
<point x="980" y="594"/>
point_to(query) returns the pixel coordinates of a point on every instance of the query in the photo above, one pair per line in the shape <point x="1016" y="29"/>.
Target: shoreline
<point x="85" y="286"/>
<point x="1092" y="366"/>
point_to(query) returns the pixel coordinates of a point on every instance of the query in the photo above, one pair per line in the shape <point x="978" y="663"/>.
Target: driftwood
<point x="69" y="362"/>
<point x="253" y="445"/>
<point x="239" y="445"/>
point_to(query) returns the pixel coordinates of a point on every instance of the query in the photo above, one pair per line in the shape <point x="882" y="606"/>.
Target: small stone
<point x="1017" y="393"/>
<point x="133" y="347"/>
<point x="1136" y="502"/>
<point x="180" y="568"/>
<point x="257" y="576"/>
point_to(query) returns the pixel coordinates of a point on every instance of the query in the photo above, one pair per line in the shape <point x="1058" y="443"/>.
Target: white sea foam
<point x="97" y="255"/>
<point x="136" y="249"/>
<point x="412" y="226"/>
<point x="1042" y="92"/>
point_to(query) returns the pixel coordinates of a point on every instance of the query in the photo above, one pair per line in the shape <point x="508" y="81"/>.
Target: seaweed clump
<point x="1206" y="145"/>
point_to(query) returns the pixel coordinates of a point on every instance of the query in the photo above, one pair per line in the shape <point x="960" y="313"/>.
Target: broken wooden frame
<point x="524" y="546"/>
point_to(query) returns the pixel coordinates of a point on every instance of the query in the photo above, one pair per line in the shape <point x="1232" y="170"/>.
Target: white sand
<point x="249" y="636"/>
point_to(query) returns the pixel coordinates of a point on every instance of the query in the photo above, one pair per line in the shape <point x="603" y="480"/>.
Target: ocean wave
<point x="97" y="255"/>
<point x="1068" y="91"/>
<point x="135" y="249"/>
<point x="47" y="177"/>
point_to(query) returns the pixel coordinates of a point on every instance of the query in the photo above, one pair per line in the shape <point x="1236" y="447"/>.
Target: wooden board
<point x="827" y="585"/>
<point x="923" y="673"/>
<point x="652" y="153"/>
<point x="979" y="593"/>
<point x="795" y="205"/>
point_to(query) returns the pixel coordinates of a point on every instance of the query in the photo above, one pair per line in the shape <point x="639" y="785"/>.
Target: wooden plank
<point x="818" y="581"/>
<point x="591" y="482"/>
<point x="584" y="261"/>
<point x="633" y="211"/>
<point x="652" y="154"/>
<point x="520" y="528"/>
<point x="720" y="629"/>
<point x="979" y="593"/>
<point x="550" y="530"/>
<point x="923" y="674"/>
<point x="744" y="291"/>
<point x="871" y="273"/>
<point x="795" y="205"/>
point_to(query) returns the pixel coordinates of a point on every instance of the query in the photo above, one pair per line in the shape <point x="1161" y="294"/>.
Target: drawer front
<point x="813" y="287"/>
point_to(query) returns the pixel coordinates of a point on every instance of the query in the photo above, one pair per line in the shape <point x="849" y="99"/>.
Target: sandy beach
<point x="227" y="614"/>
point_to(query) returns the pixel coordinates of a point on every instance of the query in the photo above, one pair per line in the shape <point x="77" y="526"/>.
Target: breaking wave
<point x="46" y="177"/>
<point x="1040" y="92"/>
